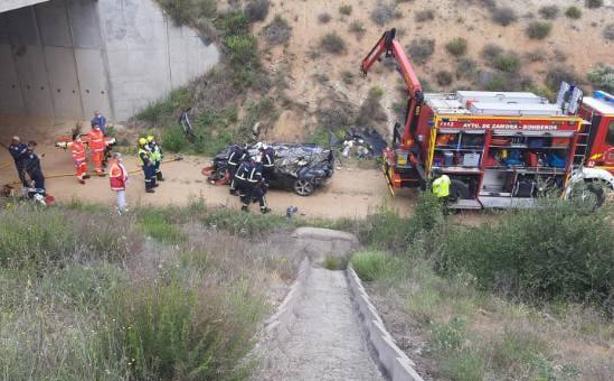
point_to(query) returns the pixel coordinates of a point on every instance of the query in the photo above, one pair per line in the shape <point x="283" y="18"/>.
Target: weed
<point x="244" y="224"/>
<point x="593" y="4"/>
<point x="602" y="77"/>
<point x="573" y="12"/>
<point x="608" y="32"/>
<point x="186" y="11"/>
<point x="490" y="52"/>
<point x="324" y="18"/>
<point x="345" y="9"/>
<point x="558" y="74"/>
<point x="347" y="77"/>
<point x="371" y="112"/>
<point x="373" y="265"/>
<point x="463" y="365"/>
<point x="457" y="47"/>
<point x="549" y="12"/>
<point x="278" y="31"/>
<point x="508" y="62"/>
<point x="335" y="263"/>
<point x="156" y="224"/>
<point x="520" y="351"/>
<point x="421" y="50"/>
<point x="444" y="78"/>
<point x="466" y="68"/>
<point x="448" y="336"/>
<point x="504" y="15"/>
<point x="538" y="30"/>
<point x="257" y="10"/>
<point x="332" y="43"/>
<point x="537" y="55"/>
<point x="383" y="12"/>
<point x="358" y="28"/>
<point x="424" y="15"/>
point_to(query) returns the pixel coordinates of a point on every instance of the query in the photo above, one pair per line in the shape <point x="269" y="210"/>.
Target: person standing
<point x="97" y="145"/>
<point x="236" y="156"/>
<point x="100" y="121"/>
<point x="19" y="152"/>
<point x="156" y="156"/>
<point x="441" y="186"/>
<point x="149" y="171"/>
<point x="77" y="150"/>
<point x="268" y="162"/>
<point x="118" y="176"/>
<point x="33" y="169"/>
<point x="256" y="188"/>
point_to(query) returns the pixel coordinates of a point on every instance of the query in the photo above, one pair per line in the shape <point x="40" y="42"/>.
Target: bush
<point x="156" y="224"/>
<point x="491" y="52"/>
<point x="466" y="68"/>
<point x="555" y="251"/>
<point x="324" y="18"/>
<point x="186" y="12"/>
<point x="278" y="31"/>
<point x="558" y="74"/>
<point x="358" y="28"/>
<point x="383" y="12"/>
<point x="421" y="50"/>
<point x="538" y="30"/>
<point x="507" y="62"/>
<point x="573" y="12"/>
<point x="593" y="4"/>
<point x="537" y="55"/>
<point x="504" y="16"/>
<point x="549" y="12"/>
<point x="602" y="77"/>
<point x="608" y="32"/>
<point x="242" y="49"/>
<point x="425" y="15"/>
<point x="444" y="78"/>
<point x="257" y="10"/>
<point x="373" y="265"/>
<point x="457" y="47"/>
<point x="332" y="43"/>
<point x="345" y="9"/>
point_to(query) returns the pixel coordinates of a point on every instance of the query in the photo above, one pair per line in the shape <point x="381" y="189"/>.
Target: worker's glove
<point x="61" y="145"/>
<point x="111" y="141"/>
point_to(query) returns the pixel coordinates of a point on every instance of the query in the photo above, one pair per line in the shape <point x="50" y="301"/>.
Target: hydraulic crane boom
<point x="392" y="48"/>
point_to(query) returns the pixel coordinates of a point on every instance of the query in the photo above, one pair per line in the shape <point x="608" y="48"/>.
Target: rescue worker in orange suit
<point x="77" y="150"/>
<point x="97" y="145"/>
<point x="118" y="176"/>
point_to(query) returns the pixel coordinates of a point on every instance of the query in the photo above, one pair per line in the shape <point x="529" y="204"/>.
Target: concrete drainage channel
<point x="326" y="328"/>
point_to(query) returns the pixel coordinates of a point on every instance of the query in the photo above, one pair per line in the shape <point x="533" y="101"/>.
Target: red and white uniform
<point x="97" y="144"/>
<point x="118" y="176"/>
<point x="77" y="150"/>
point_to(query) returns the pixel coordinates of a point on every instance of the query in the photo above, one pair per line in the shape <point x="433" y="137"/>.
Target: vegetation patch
<point x="573" y="12"/>
<point x="345" y="9"/>
<point x="457" y="47"/>
<point x="332" y="43"/>
<point x="608" y="32"/>
<point x="278" y="32"/>
<point x="503" y="15"/>
<point x="324" y="18"/>
<point x="444" y="78"/>
<point x="421" y="50"/>
<point x="602" y="77"/>
<point x="538" y="30"/>
<point x="424" y="15"/>
<point x="357" y="28"/>
<point x="593" y="4"/>
<point x="383" y="12"/>
<point x="549" y="12"/>
<point x="257" y="10"/>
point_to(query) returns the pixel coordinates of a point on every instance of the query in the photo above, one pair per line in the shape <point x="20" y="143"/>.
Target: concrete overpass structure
<point x="67" y="58"/>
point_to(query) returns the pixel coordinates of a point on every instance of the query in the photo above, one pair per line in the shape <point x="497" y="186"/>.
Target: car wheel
<point x="303" y="187"/>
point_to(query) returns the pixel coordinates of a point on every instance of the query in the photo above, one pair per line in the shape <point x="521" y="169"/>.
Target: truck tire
<point x="459" y="190"/>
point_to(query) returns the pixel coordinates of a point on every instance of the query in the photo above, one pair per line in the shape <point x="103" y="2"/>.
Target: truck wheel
<point x="459" y="190"/>
<point x="303" y="187"/>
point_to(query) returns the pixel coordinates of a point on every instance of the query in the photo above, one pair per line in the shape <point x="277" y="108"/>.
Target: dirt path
<point x="322" y="339"/>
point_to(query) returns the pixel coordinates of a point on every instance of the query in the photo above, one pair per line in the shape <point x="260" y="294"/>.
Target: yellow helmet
<point x="142" y="141"/>
<point x="150" y="138"/>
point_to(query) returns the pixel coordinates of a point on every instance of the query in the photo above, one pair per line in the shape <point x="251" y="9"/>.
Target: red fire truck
<point x="500" y="149"/>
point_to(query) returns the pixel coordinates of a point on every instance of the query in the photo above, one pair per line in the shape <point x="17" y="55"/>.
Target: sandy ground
<point x="325" y="339"/>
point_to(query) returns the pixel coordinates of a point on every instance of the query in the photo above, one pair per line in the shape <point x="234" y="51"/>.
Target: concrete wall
<point x="67" y="58"/>
<point x="9" y="5"/>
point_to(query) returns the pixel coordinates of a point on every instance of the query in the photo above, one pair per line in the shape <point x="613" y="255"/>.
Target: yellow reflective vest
<point x="441" y="186"/>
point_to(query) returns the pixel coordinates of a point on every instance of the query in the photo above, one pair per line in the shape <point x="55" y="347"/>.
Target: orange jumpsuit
<point x="77" y="149"/>
<point x="97" y="145"/>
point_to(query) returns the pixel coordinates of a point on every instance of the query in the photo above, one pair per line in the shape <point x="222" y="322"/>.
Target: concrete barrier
<point x="393" y="360"/>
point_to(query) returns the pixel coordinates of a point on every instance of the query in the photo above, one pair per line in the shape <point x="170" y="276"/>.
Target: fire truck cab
<point x="598" y="110"/>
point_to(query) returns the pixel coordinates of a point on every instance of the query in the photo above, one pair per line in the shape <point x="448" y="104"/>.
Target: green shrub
<point x="324" y="18"/>
<point x="518" y="348"/>
<point x="242" y="49"/>
<point x="444" y="78"/>
<point x="602" y="77"/>
<point x="358" y="28"/>
<point x="345" y="9"/>
<point x="464" y="365"/>
<point x="186" y="12"/>
<point x="421" y="50"/>
<point x="466" y="68"/>
<point x="245" y="224"/>
<point x="424" y="15"/>
<point x="332" y="43"/>
<point x="233" y="23"/>
<point x="508" y="62"/>
<point x="335" y="263"/>
<point x="593" y="4"/>
<point x="449" y="336"/>
<point x="490" y="52"/>
<point x="278" y="31"/>
<point x="457" y="47"/>
<point x="608" y="32"/>
<point x="573" y="12"/>
<point x="549" y="12"/>
<point x="504" y="15"/>
<point x="383" y="12"/>
<point x="538" y="30"/>
<point x="373" y="265"/>
<point x="555" y="251"/>
<point x="157" y="224"/>
<point x="257" y="10"/>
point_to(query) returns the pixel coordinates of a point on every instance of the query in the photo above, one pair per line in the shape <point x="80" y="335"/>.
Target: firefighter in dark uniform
<point x="19" y="152"/>
<point x="32" y="166"/>
<point x="256" y="187"/>
<point x="268" y="162"/>
<point x="239" y="181"/>
<point x="235" y="158"/>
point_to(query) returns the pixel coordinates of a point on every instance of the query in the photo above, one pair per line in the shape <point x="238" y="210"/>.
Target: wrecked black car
<point x="300" y="167"/>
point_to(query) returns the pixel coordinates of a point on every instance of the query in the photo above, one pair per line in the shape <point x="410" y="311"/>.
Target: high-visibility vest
<point x="143" y="153"/>
<point x="95" y="140"/>
<point x="77" y="149"/>
<point x="441" y="186"/>
<point x="118" y="176"/>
